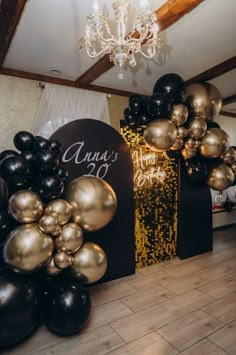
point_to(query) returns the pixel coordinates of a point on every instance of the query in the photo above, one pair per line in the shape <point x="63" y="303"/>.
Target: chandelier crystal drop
<point x="122" y="46"/>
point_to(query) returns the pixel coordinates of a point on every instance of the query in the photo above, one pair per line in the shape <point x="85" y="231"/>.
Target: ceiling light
<point x="143" y="37"/>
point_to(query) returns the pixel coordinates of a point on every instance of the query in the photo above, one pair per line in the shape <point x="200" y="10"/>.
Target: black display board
<point x="91" y="147"/>
<point x="194" y="217"/>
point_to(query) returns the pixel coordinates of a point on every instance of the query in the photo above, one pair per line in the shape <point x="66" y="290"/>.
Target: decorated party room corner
<point x="117" y="177"/>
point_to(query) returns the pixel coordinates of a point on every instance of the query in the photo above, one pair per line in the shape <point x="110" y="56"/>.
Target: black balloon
<point x="13" y="165"/>
<point x="136" y="103"/>
<point x="55" y="146"/>
<point x="197" y="171"/>
<point x="62" y="173"/>
<point x="129" y="117"/>
<point x="212" y="124"/>
<point x="67" y="305"/>
<point x="47" y="160"/>
<point x="29" y="156"/>
<point x="143" y="120"/>
<point x="158" y="105"/>
<point x="19" y="307"/>
<point x="7" y="224"/>
<point x="24" y="141"/>
<point x="49" y="187"/>
<point x="3" y="192"/>
<point x="169" y="84"/>
<point x="41" y="143"/>
<point x="6" y="154"/>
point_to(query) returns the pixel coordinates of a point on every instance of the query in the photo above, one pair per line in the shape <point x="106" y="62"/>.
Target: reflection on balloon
<point x="60" y="208"/>
<point x="214" y="143"/>
<point x="93" y="202"/>
<point x="25" y="206"/>
<point x="179" y="114"/>
<point x="90" y="262"/>
<point x="220" y="177"/>
<point x="27" y="248"/>
<point x="197" y="127"/>
<point x="160" y="134"/>
<point x="70" y="239"/>
<point x="48" y="224"/>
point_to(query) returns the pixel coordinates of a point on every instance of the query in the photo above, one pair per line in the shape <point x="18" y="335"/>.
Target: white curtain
<point x="228" y="124"/>
<point x="60" y="105"/>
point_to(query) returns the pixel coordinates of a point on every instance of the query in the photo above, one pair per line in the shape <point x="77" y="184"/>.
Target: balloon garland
<point x="179" y="121"/>
<point x="44" y="261"/>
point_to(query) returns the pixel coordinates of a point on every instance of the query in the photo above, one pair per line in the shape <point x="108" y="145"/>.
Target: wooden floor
<point x="176" y="307"/>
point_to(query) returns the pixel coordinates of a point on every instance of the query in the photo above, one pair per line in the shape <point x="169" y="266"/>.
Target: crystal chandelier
<point x="122" y="46"/>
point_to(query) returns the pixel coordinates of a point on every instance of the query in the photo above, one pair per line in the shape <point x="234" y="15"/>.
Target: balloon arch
<point x="179" y="121"/>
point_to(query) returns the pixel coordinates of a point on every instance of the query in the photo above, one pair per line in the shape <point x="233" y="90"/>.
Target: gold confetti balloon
<point x="93" y="202"/>
<point x="90" y="263"/>
<point x="25" y="206"/>
<point x="70" y="239"/>
<point x="59" y="208"/>
<point x="27" y="248"/>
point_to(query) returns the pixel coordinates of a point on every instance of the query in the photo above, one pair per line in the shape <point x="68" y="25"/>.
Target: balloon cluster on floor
<point x="45" y="262"/>
<point x="179" y="121"/>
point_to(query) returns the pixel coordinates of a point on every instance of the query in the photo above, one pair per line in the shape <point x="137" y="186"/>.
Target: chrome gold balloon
<point x="178" y="144"/>
<point x="179" y="114"/>
<point x="220" y="177"/>
<point x="229" y="157"/>
<point x="27" y="248"/>
<point x="90" y="262"/>
<point x="182" y="132"/>
<point x="190" y="143"/>
<point x="57" y="231"/>
<point x="48" y="224"/>
<point x="188" y="153"/>
<point x="70" y="239"/>
<point x="51" y="269"/>
<point x="25" y="206"/>
<point x="214" y="143"/>
<point x="205" y="99"/>
<point x="60" y="208"/>
<point x="93" y="202"/>
<point x="160" y="134"/>
<point x="63" y="260"/>
<point x="197" y="127"/>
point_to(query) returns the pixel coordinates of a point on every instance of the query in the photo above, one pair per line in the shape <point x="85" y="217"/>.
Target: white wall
<point x="228" y="124"/>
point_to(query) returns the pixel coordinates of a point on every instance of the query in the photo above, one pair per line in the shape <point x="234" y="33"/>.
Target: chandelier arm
<point x="148" y="55"/>
<point x="94" y="55"/>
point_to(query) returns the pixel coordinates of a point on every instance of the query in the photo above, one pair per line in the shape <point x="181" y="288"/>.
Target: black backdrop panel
<point x="195" y="217"/>
<point x="91" y="147"/>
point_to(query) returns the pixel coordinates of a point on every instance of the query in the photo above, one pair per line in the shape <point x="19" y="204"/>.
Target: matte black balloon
<point x="67" y="306"/>
<point x="24" y="140"/>
<point x="62" y="173"/>
<point x="19" y="307"/>
<point x="29" y="156"/>
<point x="169" y="84"/>
<point x="6" y="154"/>
<point x="47" y="160"/>
<point x="49" y="187"/>
<point x="7" y="224"/>
<point x="3" y="192"/>
<point x="55" y="146"/>
<point x="158" y="105"/>
<point x="197" y="171"/>
<point x="212" y="124"/>
<point x="41" y="143"/>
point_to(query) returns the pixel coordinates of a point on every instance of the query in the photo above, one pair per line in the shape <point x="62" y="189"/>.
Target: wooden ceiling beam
<point x="167" y="15"/>
<point x="228" y="114"/>
<point x="213" y="72"/>
<point x="229" y="100"/>
<point x="10" y="14"/>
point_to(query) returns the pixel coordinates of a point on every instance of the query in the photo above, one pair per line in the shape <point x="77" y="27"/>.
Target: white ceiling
<point x="49" y="30"/>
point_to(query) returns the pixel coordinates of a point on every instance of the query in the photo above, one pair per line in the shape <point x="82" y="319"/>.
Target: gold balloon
<point x="214" y="143"/>
<point x="220" y="177"/>
<point x="57" y="231"/>
<point x="182" y="132"/>
<point x="160" y="134"/>
<point x="93" y="202"/>
<point x="178" y="144"/>
<point x="27" y="248"/>
<point x="179" y="114"/>
<point x="51" y="269"/>
<point x="205" y="99"/>
<point x="188" y="153"/>
<point x="90" y="262"/>
<point x="197" y="127"/>
<point x="48" y="224"/>
<point x="229" y="157"/>
<point x="25" y="206"/>
<point x="70" y="239"/>
<point x="60" y="208"/>
<point x="63" y="260"/>
<point x="190" y="143"/>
